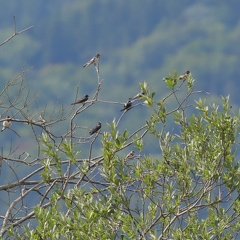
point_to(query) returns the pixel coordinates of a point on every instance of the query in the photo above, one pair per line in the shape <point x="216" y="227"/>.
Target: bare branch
<point x="15" y="32"/>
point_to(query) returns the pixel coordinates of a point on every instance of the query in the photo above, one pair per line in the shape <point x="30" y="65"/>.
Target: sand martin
<point x="96" y="128"/>
<point x="127" y="105"/>
<point x="6" y="123"/>
<point x="82" y="100"/>
<point x="130" y="155"/>
<point x="92" y="61"/>
<point x="184" y="76"/>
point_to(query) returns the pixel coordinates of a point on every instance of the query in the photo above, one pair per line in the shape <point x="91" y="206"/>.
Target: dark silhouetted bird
<point x="93" y="60"/>
<point x="130" y="155"/>
<point x="6" y="123"/>
<point x="127" y="105"/>
<point x="184" y="76"/>
<point x="138" y="96"/>
<point x="96" y="128"/>
<point x="82" y="100"/>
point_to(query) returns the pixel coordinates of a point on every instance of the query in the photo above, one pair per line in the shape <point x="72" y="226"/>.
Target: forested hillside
<point x="137" y="40"/>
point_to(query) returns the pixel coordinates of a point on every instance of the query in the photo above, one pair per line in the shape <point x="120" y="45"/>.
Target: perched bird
<point x="138" y="96"/>
<point x="96" y="128"/>
<point x="130" y="155"/>
<point x="184" y="76"/>
<point x="6" y="123"/>
<point x="93" y="60"/>
<point x="82" y="100"/>
<point x="127" y="105"/>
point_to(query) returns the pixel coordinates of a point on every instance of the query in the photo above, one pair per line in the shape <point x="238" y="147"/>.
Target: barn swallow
<point x="127" y="105"/>
<point x="82" y="100"/>
<point x="96" y="128"/>
<point x="130" y="155"/>
<point x="6" y="123"/>
<point x="184" y="76"/>
<point x="138" y="96"/>
<point x="93" y="60"/>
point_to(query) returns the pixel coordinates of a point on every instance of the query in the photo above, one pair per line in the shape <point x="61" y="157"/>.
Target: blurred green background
<point x="138" y="40"/>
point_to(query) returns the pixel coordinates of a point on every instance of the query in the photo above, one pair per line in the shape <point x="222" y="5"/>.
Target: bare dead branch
<point x="15" y="32"/>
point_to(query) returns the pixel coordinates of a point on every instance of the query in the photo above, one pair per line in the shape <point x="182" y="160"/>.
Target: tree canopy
<point x="101" y="184"/>
<point x="165" y="167"/>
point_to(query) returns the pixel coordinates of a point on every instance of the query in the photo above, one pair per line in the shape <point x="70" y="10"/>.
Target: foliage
<point x="106" y="185"/>
<point x="188" y="190"/>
